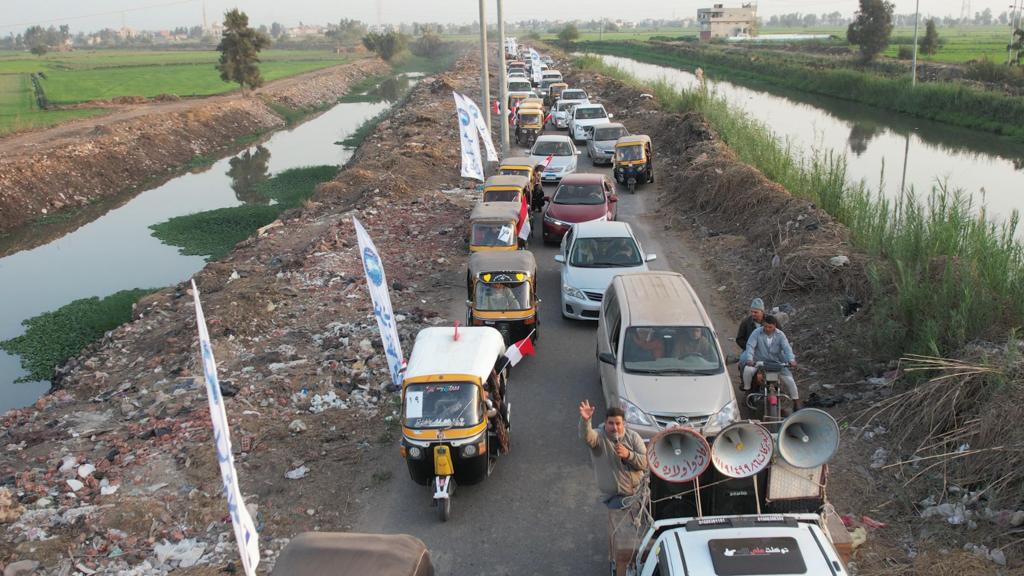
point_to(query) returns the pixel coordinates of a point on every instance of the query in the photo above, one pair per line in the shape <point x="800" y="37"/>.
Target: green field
<point x="82" y="76"/>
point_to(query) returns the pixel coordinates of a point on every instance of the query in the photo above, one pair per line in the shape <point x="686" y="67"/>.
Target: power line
<point x="98" y="14"/>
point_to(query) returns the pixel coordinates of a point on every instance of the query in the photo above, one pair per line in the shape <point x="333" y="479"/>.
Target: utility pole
<point x="1013" y="28"/>
<point x="502" y="81"/>
<point x="917" y="18"/>
<point x="485" y="80"/>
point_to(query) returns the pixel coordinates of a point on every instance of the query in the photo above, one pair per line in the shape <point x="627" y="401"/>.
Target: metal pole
<point x="502" y="80"/>
<point x="917" y="18"/>
<point x="485" y="80"/>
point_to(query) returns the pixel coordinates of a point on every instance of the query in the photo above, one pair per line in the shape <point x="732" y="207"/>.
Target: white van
<point x="659" y="357"/>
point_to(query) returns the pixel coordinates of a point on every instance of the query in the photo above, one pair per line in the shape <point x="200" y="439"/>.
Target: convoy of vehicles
<point x="502" y="293"/>
<point x="601" y="144"/>
<point x="584" y="118"/>
<point x="578" y="198"/>
<point x="562" y="153"/>
<point x="493" y="226"/>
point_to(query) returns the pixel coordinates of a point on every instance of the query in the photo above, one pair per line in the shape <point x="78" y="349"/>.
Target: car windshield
<point x="606" y="134"/>
<point x="629" y="153"/>
<point x="501" y="195"/>
<point x="590" y="113"/>
<point x="579" y="194"/>
<point x="452" y="404"/>
<point x="502" y="296"/>
<point x="547" y="82"/>
<point x="493" y="234"/>
<point x="519" y="85"/>
<point x="552" y="148"/>
<point x="685" y="350"/>
<point x="620" y="252"/>
<point x="574" y="95"/>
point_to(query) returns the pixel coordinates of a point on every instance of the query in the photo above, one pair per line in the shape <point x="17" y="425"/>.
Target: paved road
<point x="538" y="513"/>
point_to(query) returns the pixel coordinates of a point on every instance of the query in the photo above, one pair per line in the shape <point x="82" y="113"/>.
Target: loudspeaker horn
<point x="742" y="449"/>
<point x="808" y="438"/>
<point x="678" y="454"/>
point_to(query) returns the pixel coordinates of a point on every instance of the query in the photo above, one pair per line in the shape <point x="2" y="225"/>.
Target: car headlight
<point x="719" y="420"/>
<point x="555" y="221"/>
<point x="635" y="415"/>
<point x="573" y="292"/>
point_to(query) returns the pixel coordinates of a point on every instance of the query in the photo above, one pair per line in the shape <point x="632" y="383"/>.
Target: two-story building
<point x="722" y="22"/>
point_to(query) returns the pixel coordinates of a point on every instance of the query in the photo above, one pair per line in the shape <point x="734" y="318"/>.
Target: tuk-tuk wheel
<point x="444" y="509"/>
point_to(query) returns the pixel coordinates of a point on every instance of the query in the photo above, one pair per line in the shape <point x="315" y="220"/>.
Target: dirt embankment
<point x="75" y="164"/>
<point x="299" y="358"/>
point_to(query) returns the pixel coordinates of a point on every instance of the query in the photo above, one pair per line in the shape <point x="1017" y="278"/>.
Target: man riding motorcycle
<point x="769" y="344"/>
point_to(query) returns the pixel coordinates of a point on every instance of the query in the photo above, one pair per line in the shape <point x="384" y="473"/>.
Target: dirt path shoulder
<point x="74" y="164"/>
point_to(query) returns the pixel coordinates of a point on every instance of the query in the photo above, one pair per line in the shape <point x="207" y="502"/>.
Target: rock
<point x="1017" y="518"/>
<point x="86" y="470"/>
<point x="297" y="426"/>
<point x="297" y="473"/>
<point x="839" y="261"/>
<point x="75" y="485"/>
<point x="68" y="464"/>
<point x="186" y="553"/>
<point x="21" y="568"/>
<point x="997" y="556"/>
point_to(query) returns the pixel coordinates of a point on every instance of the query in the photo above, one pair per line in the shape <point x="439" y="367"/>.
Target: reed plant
<point x="945" y="273"/>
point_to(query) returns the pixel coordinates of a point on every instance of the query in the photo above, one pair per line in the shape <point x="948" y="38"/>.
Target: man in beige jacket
<point x="619" y="455"/>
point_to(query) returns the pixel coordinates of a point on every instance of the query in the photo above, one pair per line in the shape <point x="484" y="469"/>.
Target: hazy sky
<point x="157" y="14"/>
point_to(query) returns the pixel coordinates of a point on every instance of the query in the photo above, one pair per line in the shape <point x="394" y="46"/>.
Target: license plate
<point x="549" y="174"/>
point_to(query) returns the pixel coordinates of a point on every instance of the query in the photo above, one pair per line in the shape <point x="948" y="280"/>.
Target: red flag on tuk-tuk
<point x="517" y="351"/>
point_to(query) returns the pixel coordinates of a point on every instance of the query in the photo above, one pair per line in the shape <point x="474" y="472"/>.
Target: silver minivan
<point x="659" y="357"/>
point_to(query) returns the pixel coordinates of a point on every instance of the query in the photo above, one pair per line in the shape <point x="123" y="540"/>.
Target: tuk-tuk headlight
<point x="415" y="452"/>
<point x="469" y="450"/>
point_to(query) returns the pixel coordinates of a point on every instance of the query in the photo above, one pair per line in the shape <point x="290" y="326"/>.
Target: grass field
<point x="75" y="77"/>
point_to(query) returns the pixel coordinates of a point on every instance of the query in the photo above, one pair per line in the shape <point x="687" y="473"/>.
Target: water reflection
<point x="860" y="136"/>
<point x="246" y="171"/>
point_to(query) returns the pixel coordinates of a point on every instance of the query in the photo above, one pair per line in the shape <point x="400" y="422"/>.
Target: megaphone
<point x="808" y="438"/>
<point x="678" y="454"/>
<point x="742" y="449"/>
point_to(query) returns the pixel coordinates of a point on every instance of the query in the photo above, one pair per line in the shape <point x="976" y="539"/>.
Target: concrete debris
<point x="297" y="426"/>
<point x="839" y="261"/>
<point x="185" y="553"/>
<point x="9" y="509"/>
<point x="879" y="458"/>
<point x="297" y="473"/>
<point x="21" y="568"/>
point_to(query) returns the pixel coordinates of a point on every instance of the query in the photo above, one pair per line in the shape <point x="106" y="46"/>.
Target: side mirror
<point x="610" y="116"/>
<point x="560" y="258"/>
<point x="469" y="303"/>
<point x="651" y="258"/>
<point x="613" y="198"/>
<point x="607" y="358"/>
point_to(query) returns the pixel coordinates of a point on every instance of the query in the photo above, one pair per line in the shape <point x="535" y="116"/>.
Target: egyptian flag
<point x="524" y="220"/>
<point x="520" y="349"/>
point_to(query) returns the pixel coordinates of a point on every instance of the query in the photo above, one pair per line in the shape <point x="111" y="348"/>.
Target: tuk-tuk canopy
<point x="557" y="87"/>
<point x="436" y="351"/>
<point x="347" y="554"/>
<point x="495" y="211"/>
<point x="516" y="162"/>
<point x="532" y="103"/>
<point x="512" y="261"/>
<point x="634" y="140"/>
<point x="507" y="181"/>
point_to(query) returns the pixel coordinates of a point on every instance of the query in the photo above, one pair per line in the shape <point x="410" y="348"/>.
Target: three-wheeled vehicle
<point x="502" y="293"/>
<point x="521" y="166"/>
<point x="554" y="92"/>
<point x="529" y="125"/>
<point x="514" y="100"/>
<point x="493" y="226"/>
<point x="349" y="554"/>
<point x="454" y="407"/>
<point x="633" y="163"/>
<point x="501" y="188"/>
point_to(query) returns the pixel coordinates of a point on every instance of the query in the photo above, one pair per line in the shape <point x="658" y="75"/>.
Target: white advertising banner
<point x="481" y="126"/>
<point x="245" y="530"/>
<point x="378" y="286"/>
<point x="469" y="135"/>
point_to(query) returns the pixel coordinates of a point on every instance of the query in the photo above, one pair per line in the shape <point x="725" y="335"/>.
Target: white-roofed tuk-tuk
<point x="349" y="554"/>
<point x="454" y="407"/>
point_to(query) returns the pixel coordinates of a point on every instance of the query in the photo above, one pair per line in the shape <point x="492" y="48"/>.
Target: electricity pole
<point x="485" y="81"/>
<point x="917" y="18"/>
<point x="502" y="81"/>
<point x="1013" y="28"/>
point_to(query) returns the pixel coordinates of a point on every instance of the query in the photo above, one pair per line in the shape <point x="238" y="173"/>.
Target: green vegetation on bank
<point x="950" y="103"/>
<point x="947" y="276"/>
<point x="19" y="111"/>
<point x="214" y="233"/>
<point x="53" y="337"/>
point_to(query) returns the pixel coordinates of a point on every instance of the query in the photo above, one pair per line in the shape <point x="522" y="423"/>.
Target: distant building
<point x="721" y="22"/>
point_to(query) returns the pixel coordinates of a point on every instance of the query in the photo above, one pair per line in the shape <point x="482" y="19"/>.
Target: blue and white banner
<point x="469" y="136"/>
<point x="481" y="126"/>
<point x="377" y="283"/>
<point x="245" y="530"/>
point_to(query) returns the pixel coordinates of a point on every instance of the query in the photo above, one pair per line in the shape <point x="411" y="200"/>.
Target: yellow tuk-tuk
<point x="516" y="98"/>
<point x="502" y="188"/>
<point x="529" y="125"/>
<point x="633" y="163"/>
<point x="455" y="417"/>
<point x="493" y="226"/>
<point x="349" y="554"/>
<point x="502" y="293"/>
<point x="554" y="92"/>
<point x="532" y="102"/>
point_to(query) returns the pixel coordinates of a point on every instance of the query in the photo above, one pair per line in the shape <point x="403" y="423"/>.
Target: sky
<point x="16" y="15"/>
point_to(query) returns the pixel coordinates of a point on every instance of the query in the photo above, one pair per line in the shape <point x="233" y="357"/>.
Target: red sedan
<point x="579" y="198"/>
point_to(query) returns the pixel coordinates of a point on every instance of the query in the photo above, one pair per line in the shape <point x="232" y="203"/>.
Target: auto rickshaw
<point x="349" y="554"/>
<point x="500" y="188"/>
<point x="633" y="163"/>
<point x="553" y="93"/>
<point x="529" y="125"/>
<point x="502" y="293"/>
<point x="521" y="166"/>
<point x="532" y="102"/>
<point x="493" y="227"/>
<point x="516" y="98"/>
<point x="455" y="414"/>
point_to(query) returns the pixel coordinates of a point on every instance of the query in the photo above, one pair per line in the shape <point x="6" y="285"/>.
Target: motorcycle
<point x="766" y="394"/>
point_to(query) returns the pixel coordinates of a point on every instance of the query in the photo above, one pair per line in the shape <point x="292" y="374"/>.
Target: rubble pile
<point x="116" y="473"/>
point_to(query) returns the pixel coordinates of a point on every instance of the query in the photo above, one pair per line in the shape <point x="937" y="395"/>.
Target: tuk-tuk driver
<point x="499" y="296"/>
<point x="617" y="453"/>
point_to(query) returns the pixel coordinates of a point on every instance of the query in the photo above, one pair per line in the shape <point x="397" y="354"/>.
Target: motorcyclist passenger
<point x="769" y="344"/>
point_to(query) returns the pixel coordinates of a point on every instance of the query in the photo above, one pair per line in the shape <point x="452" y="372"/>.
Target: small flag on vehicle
<point x="548" y="160"/>
<point x="517" y="351"/>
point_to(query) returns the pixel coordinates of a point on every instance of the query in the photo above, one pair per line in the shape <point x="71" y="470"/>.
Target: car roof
<point x="554" y="138"/>
<point x="590" y="105"/>
<point x="576" y="89"/>
<point x="660" y="298"/>
<point x="550" y="71"/>
<point x="502" y="261"/>
<point x="507" y="180"/>
<point x="603" y="229"/>
<point x="609" y="125"/>
<point x="583" y="178"/>
<point x="436" y="351"/>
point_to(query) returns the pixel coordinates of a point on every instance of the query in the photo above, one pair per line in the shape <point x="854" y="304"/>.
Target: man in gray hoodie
<point x="769" y="344"/>
<point x="618" y="454"/>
